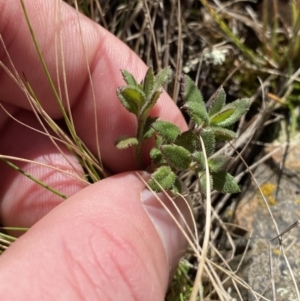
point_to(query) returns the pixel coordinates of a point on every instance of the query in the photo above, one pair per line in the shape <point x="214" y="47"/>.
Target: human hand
<point x="100" y="243"/>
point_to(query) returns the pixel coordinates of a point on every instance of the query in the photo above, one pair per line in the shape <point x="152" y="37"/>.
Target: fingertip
<point x="98" y="240"/>
<point x="172" y="219"/>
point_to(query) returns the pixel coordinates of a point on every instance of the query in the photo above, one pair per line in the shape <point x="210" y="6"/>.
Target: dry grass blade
<point x="197" y="289"/>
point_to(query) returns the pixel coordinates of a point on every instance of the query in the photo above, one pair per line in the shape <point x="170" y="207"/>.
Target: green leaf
<point x="240" y="106"/>
<point x="148" y="130"/>
<point x="162" y="78"/>
<point x="148" y="83"/>
<point x="124" y="142"/>
<point x="155" y="155"/>
<point x="222" y="116"/>
<point x="166" y="129"/>
<point x="176" y="187"/>
<point x="200" y="160"/>
<point x="132" y="98"/>
<point x="159" y="140"/>
<point x="176" y="156"/>
<point x="150" y="103"/>
<point x="130" y="105"/>
<point x="187" y="140"/>
<point x="133" y="93"/>
<point x="128" y="78"/>
<point x="157" y="88"/>
<point x="159" y="81"/>
<point x="225" y="183"/>
<point x="223" y="134"/>
<point x="218" y="102"/>
<point x="218" y="164"/>
<point x="164" y="176"/>
<point x="194" y="101"/>
<point x="203" y="181"/>
<point x="209" y="141"/>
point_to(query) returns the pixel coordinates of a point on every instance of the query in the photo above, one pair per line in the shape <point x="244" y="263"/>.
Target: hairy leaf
<point x="159" y="140"/>
<point x="130" y="105"/>
<point x="176" y="187"/>
<point x="225" y="183"/>
<point x="164" y="176"/>
<point x="176" y="156"/>
<point x="219" y="163"/>
<point x="200" y="160"/>
<point x="240" y="106"/>
<point x="132" y="98"/>
<point x="128" y="78"/>
<point x="148" y="83"/>
<point x="209" y="141"/>
<point x="162" y="78"/>
<point x="223" y="134"/>
<point x="194" y="101"/>
<point x="124" y="142"/>
<point x="150" y="103"/>
<point x="148" y="130"/>
<point x="222" y="116"/>
<point x="203" y="181"/>
<point x="218" y="102"/>
<point x="166" y="129"/>
<point x="187" y="140"/>
<point x="155" y="155"/>
<point x="153" y="88"/>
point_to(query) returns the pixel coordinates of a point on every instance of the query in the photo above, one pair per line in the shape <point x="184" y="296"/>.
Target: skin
<point x="110" y="240"/>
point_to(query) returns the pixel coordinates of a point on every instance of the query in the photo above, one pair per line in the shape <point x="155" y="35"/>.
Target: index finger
<point x="105" y="56"/>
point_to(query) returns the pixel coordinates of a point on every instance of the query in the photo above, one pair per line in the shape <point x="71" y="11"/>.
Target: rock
<point x="281" y="189"/>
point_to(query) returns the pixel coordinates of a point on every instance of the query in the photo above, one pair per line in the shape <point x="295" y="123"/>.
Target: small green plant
<point x="177" y="151"/>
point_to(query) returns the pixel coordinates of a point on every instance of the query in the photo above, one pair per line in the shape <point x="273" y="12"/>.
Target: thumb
<point x="100" y="244"/>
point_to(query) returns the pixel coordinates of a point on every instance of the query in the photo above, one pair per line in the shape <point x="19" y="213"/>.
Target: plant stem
<point x="138" y="148"/>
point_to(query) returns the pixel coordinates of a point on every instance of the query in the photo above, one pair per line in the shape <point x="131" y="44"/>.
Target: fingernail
<point x="171" y="236"/>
